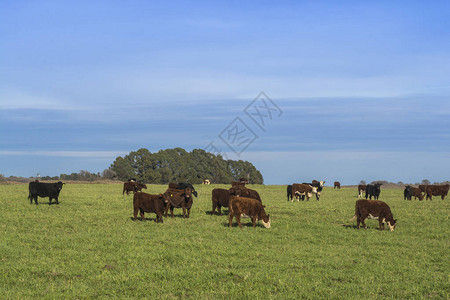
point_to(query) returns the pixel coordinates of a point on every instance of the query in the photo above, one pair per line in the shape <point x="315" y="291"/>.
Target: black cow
<point x="50" y="190"/>
<point x="289" y="192"/>
<point x="373" y="190"/>
<point x="407" y="193"/>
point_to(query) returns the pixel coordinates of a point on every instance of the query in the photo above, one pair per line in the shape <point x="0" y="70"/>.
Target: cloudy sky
<point x="352" y="90"/>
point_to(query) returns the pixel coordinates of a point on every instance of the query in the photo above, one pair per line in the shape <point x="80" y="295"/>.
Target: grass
<point x="88" y="247"/>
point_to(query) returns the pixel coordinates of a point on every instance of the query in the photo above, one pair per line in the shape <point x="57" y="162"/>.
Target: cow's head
<point x="314" y="189"/>
<point x="265" y="219"/>
<point x="188" y="192"/>
<point x="321" y="183"/>
<point x="142" y="185"/>
<point x="164" y="197"/>
<point x="59" y="185"/>
<point x="392" y="224"/>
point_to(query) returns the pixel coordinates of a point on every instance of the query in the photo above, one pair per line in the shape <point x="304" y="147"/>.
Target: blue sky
<point x="363" y="87"/>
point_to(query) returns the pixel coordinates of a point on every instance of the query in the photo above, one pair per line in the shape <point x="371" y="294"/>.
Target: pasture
<point x="89" y="247"/>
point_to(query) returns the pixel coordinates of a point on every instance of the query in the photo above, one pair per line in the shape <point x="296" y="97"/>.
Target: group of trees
<point x="178" y="165"/>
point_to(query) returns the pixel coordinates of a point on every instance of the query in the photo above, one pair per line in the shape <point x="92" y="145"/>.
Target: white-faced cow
<point x="252" y="208"/>
<point x="373" y="209"/>
<point x="300" y="190"/>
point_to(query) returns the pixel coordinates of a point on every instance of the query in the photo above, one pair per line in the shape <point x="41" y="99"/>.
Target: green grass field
<point x="89" y="247"/>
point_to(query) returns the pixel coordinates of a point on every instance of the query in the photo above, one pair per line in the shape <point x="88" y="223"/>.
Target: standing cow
<point x="302" y="190"/>
<point x="337" y="185"/>
<point x="179" y="199"/>
<point x="373" y="209"/>
<point x="247" y="206"/>
<point x="361" y="190"/>
<point x="147" y="203"/>
<point x="220" y="197"/>
<point x="373" y="190"/>
<point x="289" y="192"/>
<point x="50" y="190"/>
<point x="437" y="190"/>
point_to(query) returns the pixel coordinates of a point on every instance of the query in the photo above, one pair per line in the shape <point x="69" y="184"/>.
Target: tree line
<point x="178" y="165"/>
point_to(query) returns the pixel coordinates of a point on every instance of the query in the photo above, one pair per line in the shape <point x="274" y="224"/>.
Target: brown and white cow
<point x="337" y="185"/>
<point x="361" y="190"/>
<point x="206" y="181"/>
<point x="252" y="208"/>
<point x="179" y="199"/>
<point x="220" y="198"/>
<point x="301" y="190"/>
<point x="437" y="190"/>
<point x="374" y="209"/>
<point x="148" y="203"/>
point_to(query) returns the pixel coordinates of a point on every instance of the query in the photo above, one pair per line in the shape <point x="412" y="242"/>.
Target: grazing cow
<point x="220" y="197"/>
<point x="206" y="181"/>
<point x="148" y="203"/>
<point x="407" y="193"/>
<point x="417" y="193"/>
<point x="179" y="199"/>
<point x="361" y="190"/>
<point x="289" y="192"/>
<point x="133" y="186"/>
<point x="337" y="185"/>
<point x="437" y="190"/>
<point x="301" y="190"/>
<point x="318" y="185"/>
<point x="182" y="186"/>
<point x="132" y="180"/>
<point x="243" y="180"/>
<point x="373" y="190"/>
<point x="50" y="190"/>
<point x="247" y="206"/>
<point x="373" y="209"/>
<point x="245" y="192"/>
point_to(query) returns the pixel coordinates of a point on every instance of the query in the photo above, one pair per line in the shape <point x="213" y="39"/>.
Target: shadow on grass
<point x="224" y="213"/>
<point x="244" y="224"/>
<point x="145" y="219"/>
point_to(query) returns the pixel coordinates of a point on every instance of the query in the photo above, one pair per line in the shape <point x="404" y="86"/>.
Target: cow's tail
<point x="353" y="218"/>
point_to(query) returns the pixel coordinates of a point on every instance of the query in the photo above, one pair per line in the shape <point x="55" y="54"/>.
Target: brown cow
<point x="417" y="193"/>
<point x="437" y="190"/>
<point x="220" y="197"/>
<point x="148" y="203"/>
<point x="249" y="207"/>
<point x="373" y="209"/>
<point x="244" y="192"/>
<point x="423" y="188"/>
<point x="337" y="185"/>
<point x="301" y="190"/>
<point x="179" y="199"/>
<point x="361" y="190"/>
<point x="132" y="186"/>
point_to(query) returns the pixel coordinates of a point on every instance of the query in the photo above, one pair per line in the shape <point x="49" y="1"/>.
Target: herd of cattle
<point x="244" y="202"/>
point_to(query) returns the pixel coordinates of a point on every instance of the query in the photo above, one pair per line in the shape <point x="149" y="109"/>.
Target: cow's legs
<point x="188" y="212"/>
<point x="381" y="224"/>
<point x="35" y="200"/>
<point x="57" y="202"/>
<point x="238" y="218"/>
<point x="135" y="212"/>
<point x="159" y="218"/>
<point x="358" y="221"/>
<point x="167" y="209"/>
<point x="214" y="205"/>
<point x="141" y="212"/>
<point x="230" y="219"/>
<point x="254" y="221"/>
<point x="49" y="200"/>
<point x="171" y="212"/>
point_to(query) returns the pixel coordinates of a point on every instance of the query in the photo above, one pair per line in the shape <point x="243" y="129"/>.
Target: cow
<point x="247" y="206"/>
<point x="132" y="180"/>
<point x="289" y="192"/>
<point x="245" y="192"/>
<point x="206" y="181"/>
<point x="318" y="185"/>
<point x="179" y="199"/>
<point x="133" y="186"/>
<point x="220" y="198"/>
<point x="373" y="190"/>
<point x="373" y="209"/>
<point x="182" y="186"/>
<point x="407" y="193"/>
<point x="300" y="190"/>
<point x="437" y="190"/>
<point x="41" y="189"/>
<point x="417" y="193"/>
<point x="361" y="190"/>
<point x="337" y="185"/>
<point x="148" y="203"/>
